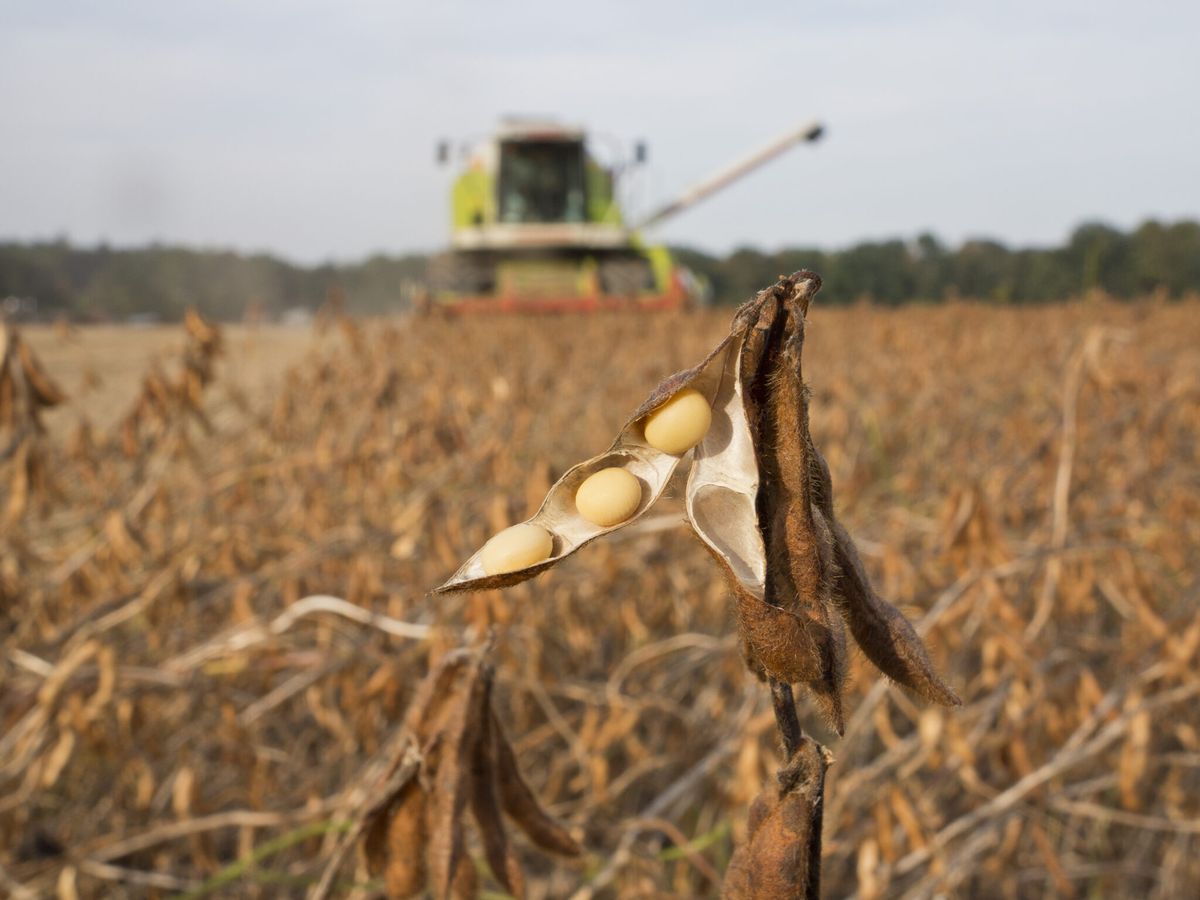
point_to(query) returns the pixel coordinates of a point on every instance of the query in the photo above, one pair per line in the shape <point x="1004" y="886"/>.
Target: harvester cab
<point x="536" y="227"/>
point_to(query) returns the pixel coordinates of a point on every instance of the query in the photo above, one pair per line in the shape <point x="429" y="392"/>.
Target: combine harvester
<point x="536" y="227"/>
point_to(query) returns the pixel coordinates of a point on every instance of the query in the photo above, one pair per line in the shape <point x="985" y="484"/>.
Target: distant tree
<point x="1100" y="254"/>
<point x="1165" y="257"/>
<point x="930" y="261"/>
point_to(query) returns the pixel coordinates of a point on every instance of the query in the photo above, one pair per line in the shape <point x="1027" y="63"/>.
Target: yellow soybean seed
<point x="608" y="497"/>
<point x="515" y="548"/>
<point x="679" y="424"/>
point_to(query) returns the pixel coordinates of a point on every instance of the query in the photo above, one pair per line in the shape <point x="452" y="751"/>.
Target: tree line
<point x="158" y="281"/>
<point x="1154" y="257"/>
<point x="105" y="283"/>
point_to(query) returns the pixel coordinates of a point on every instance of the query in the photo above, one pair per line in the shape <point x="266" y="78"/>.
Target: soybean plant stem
<point x="786" y="719"/>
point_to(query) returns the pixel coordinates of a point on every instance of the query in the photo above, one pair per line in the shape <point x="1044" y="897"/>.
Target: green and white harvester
<point x="536" y="226"/>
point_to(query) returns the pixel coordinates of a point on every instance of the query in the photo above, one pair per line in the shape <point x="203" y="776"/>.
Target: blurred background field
<point x="178" y="716"/>
<point x="102" y="366"/>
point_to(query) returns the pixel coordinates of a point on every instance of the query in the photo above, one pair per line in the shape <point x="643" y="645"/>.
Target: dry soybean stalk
<point x="26" y="390"/>
<point x="760" y="498"/>
<point x="452" y="756"/>
<point x="165" y="403"/>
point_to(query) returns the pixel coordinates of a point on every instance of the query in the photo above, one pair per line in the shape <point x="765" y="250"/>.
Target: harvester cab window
<point x="542" y="181"/>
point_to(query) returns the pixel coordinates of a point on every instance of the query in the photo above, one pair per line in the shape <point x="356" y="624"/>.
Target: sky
<point x="307" y="129"/>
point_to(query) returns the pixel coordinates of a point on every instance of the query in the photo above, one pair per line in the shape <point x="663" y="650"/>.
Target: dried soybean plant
<point x="759" y="496"/>
<point x="165" y="404"/>
<point x="452" y="755"/>
<point x="25" y="391"/>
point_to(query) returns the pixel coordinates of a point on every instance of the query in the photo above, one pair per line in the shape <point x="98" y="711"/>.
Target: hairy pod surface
<point x="794" y="634"/>
<point x="885" y="635"/>
<point x="781" y="859"/>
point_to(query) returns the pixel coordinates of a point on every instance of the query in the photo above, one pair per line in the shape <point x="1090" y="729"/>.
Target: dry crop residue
<point x="175" y="706"/>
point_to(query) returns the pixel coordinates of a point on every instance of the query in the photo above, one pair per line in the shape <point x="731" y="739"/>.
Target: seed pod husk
<point x="652" y="468"/>
<point x="723" y="483"/>
<point x="885" y="635"/>
<point x="485" y="806"/>
<point x="781" y="858"/>
<point x="451" y="783"/>
<point x="45" y="391"/>
<point x="724" y="498"/>
<point x="394" y="845"/>
<point x="466" y="881"/>
<point x="522" y="804"/>
<point x="798" y="541"/>
<point x="750" y="499"/>
<point x="452" y="756"/>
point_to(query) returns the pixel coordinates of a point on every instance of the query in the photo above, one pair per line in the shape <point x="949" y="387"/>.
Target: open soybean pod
<point x="631" y="452"/>
<point x="723" y="484"/>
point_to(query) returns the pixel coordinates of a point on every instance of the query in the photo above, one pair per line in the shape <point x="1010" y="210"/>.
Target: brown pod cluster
<point x="26" y="391"/>
<point x="167" y="402"/>
<point x="760" y="498"/>
<point x="458" y="760"/>
<point x="25" y="387"/>
<point x="793" y="632"/>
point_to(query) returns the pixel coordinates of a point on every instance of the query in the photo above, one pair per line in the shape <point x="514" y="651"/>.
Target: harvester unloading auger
<point x="536" y="227"/>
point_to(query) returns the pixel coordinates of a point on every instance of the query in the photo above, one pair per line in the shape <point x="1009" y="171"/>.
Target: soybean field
<point x="216" y="545"/>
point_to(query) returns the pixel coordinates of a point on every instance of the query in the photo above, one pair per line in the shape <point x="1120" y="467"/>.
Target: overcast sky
<point x="308" y="128"/>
